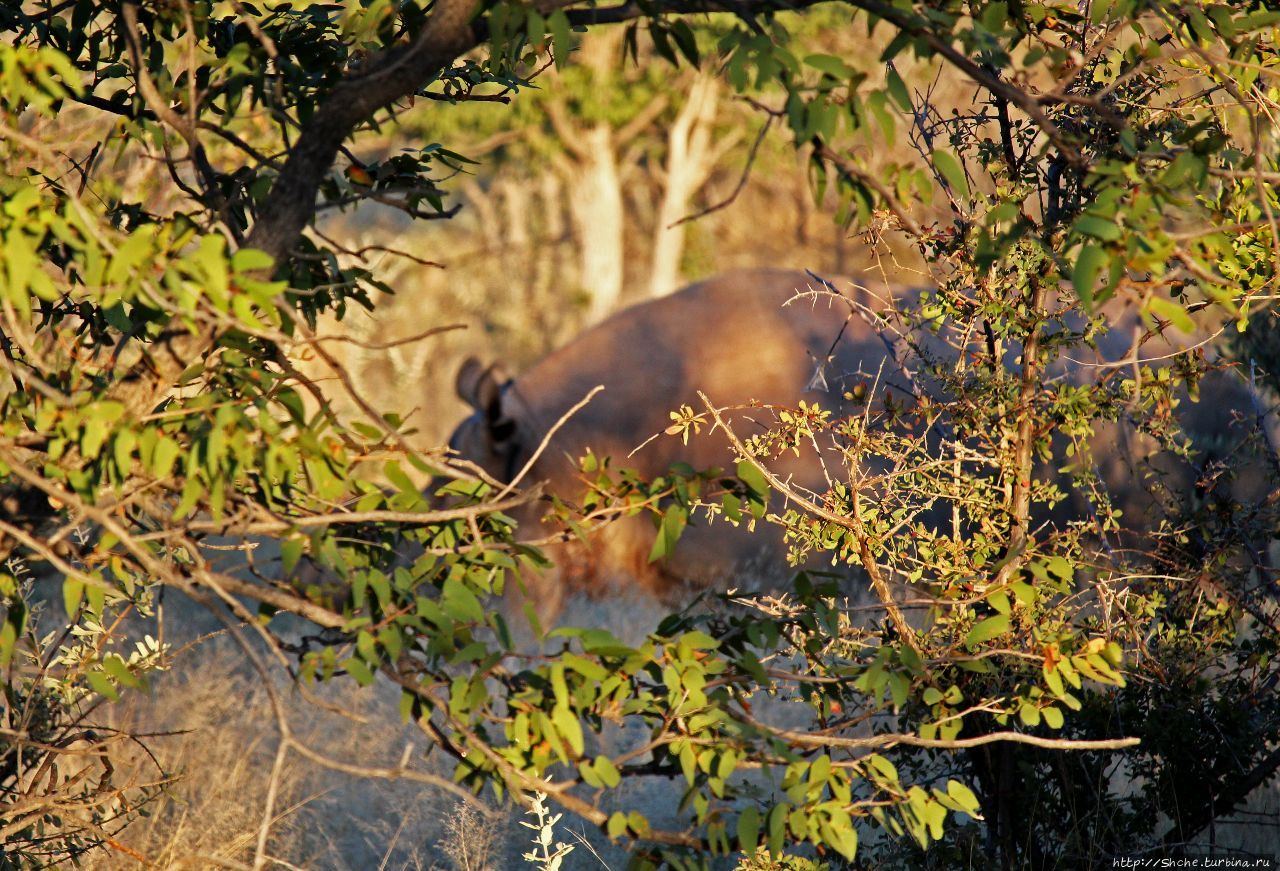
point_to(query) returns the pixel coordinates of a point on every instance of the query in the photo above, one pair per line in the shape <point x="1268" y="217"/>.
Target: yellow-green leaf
<point x="988" y="629"/>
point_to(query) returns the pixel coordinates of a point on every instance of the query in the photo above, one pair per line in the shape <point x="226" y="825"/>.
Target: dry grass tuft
<point x="209" y="726"/>
<point x="470" y="838"/>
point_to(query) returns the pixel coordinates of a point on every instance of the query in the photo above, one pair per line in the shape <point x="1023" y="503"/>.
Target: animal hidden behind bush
<point x="831" y="363"/>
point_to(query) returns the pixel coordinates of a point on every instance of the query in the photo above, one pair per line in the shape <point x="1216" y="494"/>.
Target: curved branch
<point x="809" y="739"/>
<point x="393" y="75"/>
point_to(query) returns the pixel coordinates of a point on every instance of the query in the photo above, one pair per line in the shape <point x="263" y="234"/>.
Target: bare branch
<point x="891" y="739"/>
<point x="851" y="168"/>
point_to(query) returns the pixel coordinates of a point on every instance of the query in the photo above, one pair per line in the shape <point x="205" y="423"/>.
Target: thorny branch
<point x="851" y="522"/>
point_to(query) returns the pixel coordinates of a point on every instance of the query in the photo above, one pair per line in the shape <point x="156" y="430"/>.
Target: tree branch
<point x="809" y="739"/>
<point x="852" y="522"/>
<point x="394" y="75"/>
<point x="1216" y="806"/>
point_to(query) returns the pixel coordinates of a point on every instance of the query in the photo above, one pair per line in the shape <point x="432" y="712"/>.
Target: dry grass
<point x="211" y="724"/>
<point x="218" y="740"/>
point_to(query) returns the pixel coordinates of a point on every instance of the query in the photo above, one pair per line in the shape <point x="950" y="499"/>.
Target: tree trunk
<point x="595" y="202"/>
<point x="515" y="214"/>
<point x="590" y="172"/>
<point x="550" y="266"/>
<point x="690" y="159"/>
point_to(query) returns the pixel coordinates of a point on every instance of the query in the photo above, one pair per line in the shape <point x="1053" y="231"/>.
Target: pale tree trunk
<point x="592" y="173"/>
<point x="549" y="260"/>
<point x="552" y="262"/>
<point x="482" y="206"/>
<point x="589" y="169"/>
<point x="500" y="236"/>
<point x="515" y="214"/>
<point x="595" y="204"/>
<point x="691" y="156"/>
<point x="551" y="194"/>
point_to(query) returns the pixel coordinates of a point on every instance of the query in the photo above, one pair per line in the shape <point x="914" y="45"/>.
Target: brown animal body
<point x="738" y="337"/>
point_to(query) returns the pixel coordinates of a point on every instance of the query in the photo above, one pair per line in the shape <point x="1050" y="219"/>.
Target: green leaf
<point x="102" y="685"/>
<point x="1024" y="592"/>
<point x="674" y="520"/>
<point x="399" y="479"/>
<point x="1098" y="228"/>
<point x="1184" y="166"/>
<point x="382" y="589"/>
<point x="561" y="37"/>
<point x="96" y="597"/>
<point x="1061" y="567"/>
<point x="122" y="450"/>
<point x="638" y="823"/>
<point x="688" y="763"/>
<point x="1054" y="682"/>
<point x="987" y="629"/>
<point x="1052" y="717"/>
<point x="1167" y="309"/>
<point x="749" y="829"/>
<point x="752" y="477"/>
<point x="607" y="772"/>
<point x="118" y="669"/>
<point x="72" y="595"/>
<point x="358" y="670"/>
<point x="566" y="723"/>
<point x="587" y="772"/>
<point x="191" y="493"/>
<point x="898" y="90"/>
<point x="777" y="828"/>
<point x="92" y="436"/>
<point x="8" y="639"/>
<point x="698" y="640"/>
<point x="290" y="553"/>
<point x="685" y="40"/>
<point x="163" y="458"/>
<point x="593" y="671"/>
<point x="964" y="797"/>
<point x="1084" y="276"/>
<point x="877" y="102"/>
<point x="251" y="260"/>
<point x="952" y="171"/>
<point x="899" y="688"/>
<point x="460" y="603"/>
<point x="830" y="65"/>
<point x="840" y="834"/>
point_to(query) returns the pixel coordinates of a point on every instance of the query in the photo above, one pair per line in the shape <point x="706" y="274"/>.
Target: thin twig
<point x="742" y="181"/>
<point x="546" y="440"/>
<point x="851" y="522"/>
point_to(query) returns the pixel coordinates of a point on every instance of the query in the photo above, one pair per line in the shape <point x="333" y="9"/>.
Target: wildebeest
<point x="752" y="335"/>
